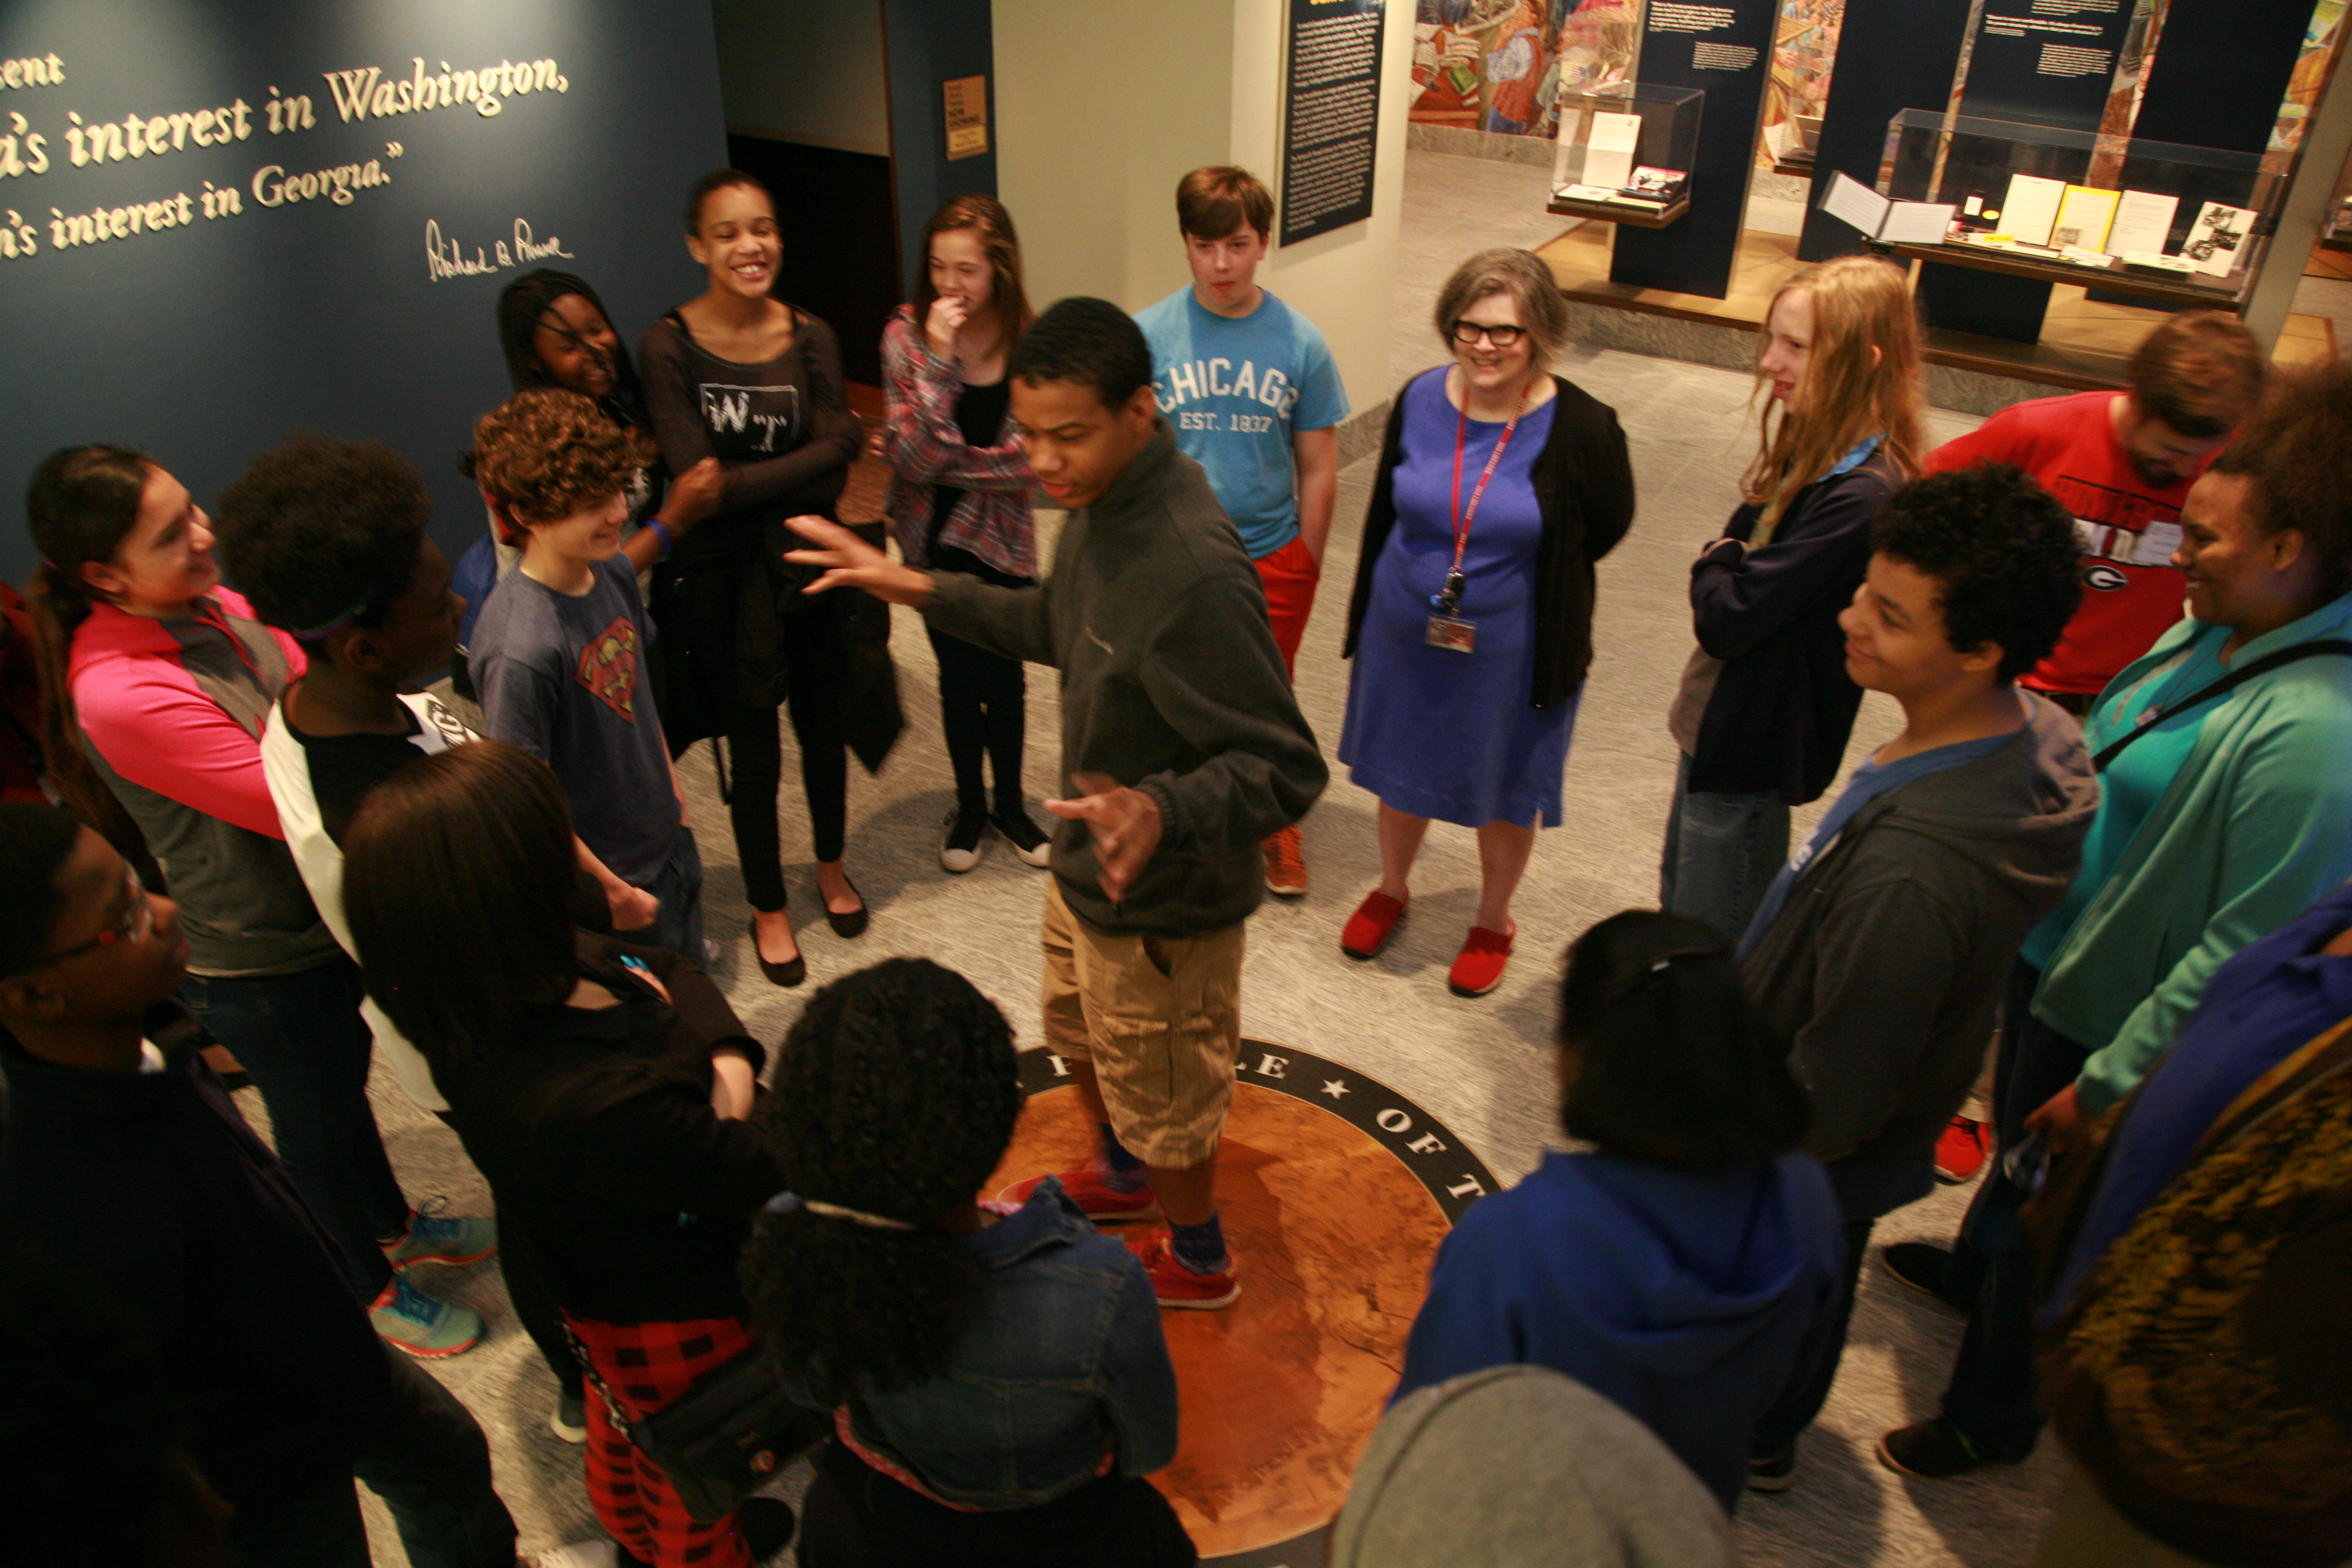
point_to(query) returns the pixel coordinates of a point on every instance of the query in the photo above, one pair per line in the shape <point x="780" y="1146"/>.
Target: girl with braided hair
<point x="553" y="331"/>
<point x="997" y="1375"/>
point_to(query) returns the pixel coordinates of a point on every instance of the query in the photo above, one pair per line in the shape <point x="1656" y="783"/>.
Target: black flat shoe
<point x="765" y="1523"/>
<point x="854" y="923"/>
<point x="791" y="974"/>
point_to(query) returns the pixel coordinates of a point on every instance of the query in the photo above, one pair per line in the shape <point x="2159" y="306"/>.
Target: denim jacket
<point x="1062" y="1368"/>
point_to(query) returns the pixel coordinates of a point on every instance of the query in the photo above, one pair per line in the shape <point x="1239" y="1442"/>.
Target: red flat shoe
<point x="1368" y="928"/>
<point x="1478" y="967"/>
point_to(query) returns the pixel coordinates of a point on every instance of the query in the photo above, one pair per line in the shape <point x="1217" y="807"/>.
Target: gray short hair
<point x="1526" y="279"/>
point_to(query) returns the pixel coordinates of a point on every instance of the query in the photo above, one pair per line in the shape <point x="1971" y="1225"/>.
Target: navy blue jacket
<point x="152" y="1183"/>
<point x="1692" y="1298"/>
<point x="1784" y="705"/>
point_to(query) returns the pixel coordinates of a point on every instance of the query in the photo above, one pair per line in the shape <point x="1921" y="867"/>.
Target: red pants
<point x="646" y="1365"/>
<point x="1289" y="576"/>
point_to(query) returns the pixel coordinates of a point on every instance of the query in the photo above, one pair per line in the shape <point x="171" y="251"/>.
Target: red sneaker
<point x="1478" y="967"/>
<point x="1960" y="1151"/>
<point x="1368" y="928"/>
<point x="1177" y="1285"/>
<point x="1091" y="1193"/>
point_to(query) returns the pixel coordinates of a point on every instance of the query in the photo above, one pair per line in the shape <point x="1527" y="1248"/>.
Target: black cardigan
<point x="1584" y="491"/>
<point x="595" y="1133"/>
<point x="1783" y="706"/>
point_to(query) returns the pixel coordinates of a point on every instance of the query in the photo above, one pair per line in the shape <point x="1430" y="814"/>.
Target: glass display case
<point x="1625" y="151"/>
<point x="2124" y="215"/>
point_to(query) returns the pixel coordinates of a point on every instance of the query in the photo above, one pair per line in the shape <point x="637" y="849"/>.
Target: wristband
<point x="661" y="531"/>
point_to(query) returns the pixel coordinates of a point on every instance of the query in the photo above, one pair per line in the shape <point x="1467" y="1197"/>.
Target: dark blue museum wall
<point x="928" y="43"/>
<point x="2221" y="68"/>
<point x="205" y="343"/>
<point x="1903" y="54"/>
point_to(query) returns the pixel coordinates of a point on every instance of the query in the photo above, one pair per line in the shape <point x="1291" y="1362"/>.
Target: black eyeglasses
<point x="132" y="927"/>
<point x="1502" y="336"/>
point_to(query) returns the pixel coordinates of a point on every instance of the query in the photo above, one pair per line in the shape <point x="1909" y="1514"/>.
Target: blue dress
<point x="1431" y="731"/>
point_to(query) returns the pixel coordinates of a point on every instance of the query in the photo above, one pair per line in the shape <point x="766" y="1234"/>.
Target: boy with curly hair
<point x="558" y="654"/>
<point x="1879" y="951"/>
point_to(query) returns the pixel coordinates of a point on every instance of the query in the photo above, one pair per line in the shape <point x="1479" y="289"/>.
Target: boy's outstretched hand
<point x="1125" y="823"/>
<point x="851" y="562"/>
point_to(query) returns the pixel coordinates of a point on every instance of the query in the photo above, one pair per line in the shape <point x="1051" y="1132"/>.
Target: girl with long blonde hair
<point x="1765" y="705"/>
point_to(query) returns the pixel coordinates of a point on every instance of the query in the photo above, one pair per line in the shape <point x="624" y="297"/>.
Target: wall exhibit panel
<point x="1903" y="53"/>
<point x="314" y="211"/>
<point x="1724" y="50"/>
<point x="1342" y="281"/>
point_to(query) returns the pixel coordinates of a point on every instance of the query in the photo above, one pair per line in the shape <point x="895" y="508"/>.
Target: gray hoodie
<point x="1517" y="1467"/>
<point x="1170" y="684"/>
<point x="1883" y="966"/>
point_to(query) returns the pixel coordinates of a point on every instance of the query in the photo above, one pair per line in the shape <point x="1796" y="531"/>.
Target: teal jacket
<point x="2255" y="827"/>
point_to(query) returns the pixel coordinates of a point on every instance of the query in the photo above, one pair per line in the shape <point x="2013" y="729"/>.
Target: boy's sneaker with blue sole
<point x="424" y="1326"/>
<point x="436" y="1238"/>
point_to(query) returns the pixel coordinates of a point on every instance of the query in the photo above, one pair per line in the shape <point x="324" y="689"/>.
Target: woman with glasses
<point x="1471" y="621"/>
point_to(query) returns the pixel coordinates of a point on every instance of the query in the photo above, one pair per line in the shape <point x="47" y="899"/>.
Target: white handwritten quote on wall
<point x="43" y="140"/>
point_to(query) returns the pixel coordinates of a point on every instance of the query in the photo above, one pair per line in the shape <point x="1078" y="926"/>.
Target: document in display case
<point x="1625" y="151"/>
<point x="2072" y="205"/>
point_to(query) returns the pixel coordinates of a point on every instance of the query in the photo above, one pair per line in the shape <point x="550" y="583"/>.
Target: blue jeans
<point x="302" y="1038"/>
<point x="1722" y="852"/>
<point x="426" y="1456"/>
<point x="678" y="924"/>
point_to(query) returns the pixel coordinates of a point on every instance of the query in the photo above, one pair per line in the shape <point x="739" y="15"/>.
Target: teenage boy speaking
<point x="1181" y="733"/>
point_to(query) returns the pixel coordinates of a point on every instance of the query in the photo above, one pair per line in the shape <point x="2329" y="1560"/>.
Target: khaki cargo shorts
<point x="1159" y="1017"/>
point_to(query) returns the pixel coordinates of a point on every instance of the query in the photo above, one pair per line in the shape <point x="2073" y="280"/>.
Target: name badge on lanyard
<point x="1448" y="629"/>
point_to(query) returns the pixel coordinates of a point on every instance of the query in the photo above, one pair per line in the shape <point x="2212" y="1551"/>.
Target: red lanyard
<point x="1463" y="520"/>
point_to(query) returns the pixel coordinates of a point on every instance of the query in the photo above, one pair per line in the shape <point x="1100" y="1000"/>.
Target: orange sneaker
<point x="1478" y="967"/>
<point x="1177" y="1285"/>
<point x="1086" y="1188"/>
<point x="1286" y="866"/>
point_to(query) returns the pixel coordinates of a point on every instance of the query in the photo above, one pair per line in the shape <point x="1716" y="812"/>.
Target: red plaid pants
<point x="646" y="1365"/>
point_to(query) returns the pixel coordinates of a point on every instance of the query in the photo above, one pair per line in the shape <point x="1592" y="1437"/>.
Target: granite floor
<point x="1483" y="1066"/>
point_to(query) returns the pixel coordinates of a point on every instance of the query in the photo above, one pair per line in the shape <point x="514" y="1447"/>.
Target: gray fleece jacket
<point x="1170" y="684"/>
<point x="1883" y="966"/>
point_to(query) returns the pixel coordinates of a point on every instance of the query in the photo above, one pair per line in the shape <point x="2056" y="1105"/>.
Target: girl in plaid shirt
<point x="960" y="495"/>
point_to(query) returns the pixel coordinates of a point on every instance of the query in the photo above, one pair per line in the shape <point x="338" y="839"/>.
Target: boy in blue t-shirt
<point x="559" y="652"/>
<point x="1250" y="388"/>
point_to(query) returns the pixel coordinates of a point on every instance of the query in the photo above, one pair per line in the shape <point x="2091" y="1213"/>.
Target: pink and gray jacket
<point x="172" y="714"/>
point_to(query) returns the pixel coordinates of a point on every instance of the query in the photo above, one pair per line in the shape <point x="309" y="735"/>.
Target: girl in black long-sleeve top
<point x="738" y="374"/>
<point x="602" y="1089"/>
